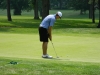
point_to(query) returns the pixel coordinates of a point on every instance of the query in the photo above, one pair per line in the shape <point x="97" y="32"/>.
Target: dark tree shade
<point x="45" y="8"/>
<point x="99" y="14"/>
<point x="36" y="16"/>
<point x="93" y="18"/>
<point x="8" y="11"/>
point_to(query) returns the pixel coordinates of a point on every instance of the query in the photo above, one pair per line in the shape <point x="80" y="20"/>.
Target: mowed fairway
<point x="69" y="47"/>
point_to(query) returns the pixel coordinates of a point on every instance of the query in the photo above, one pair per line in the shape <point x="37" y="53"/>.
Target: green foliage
<point x="59" y="4"/>
<point x="79" y="4"/>
<point x="19" y="5"/>
<point x="3" y="4"/>
<point x="91" y="1"/>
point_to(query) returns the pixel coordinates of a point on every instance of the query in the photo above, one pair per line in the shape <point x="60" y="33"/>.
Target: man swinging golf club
<point x="45" y="31"/>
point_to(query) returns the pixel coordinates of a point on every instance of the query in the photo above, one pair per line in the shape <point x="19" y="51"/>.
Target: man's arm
<point x="50" y="32"/>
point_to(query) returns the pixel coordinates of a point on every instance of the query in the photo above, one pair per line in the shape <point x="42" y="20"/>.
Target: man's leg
<point x="44" y="47"/>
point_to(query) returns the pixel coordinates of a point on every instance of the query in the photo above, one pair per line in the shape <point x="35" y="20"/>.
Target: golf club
<point x="54" y="49"/>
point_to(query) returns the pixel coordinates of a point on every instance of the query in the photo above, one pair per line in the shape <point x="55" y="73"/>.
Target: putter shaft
<point x="54" y="49"/>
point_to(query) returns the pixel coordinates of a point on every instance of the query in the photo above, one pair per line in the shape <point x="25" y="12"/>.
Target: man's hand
<point x="50" y="33"/>
<point x="50" y="37"/>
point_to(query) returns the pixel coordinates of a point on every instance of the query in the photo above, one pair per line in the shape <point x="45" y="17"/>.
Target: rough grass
<point x="47" y="67"/>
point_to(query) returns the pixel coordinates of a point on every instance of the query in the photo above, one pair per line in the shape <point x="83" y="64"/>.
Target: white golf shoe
<point x="47" y="56"/>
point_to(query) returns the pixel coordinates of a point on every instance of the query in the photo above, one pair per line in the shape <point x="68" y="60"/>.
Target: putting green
<point x="68" y="47"/>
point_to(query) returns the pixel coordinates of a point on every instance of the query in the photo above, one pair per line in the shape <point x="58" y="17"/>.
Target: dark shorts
<point x="43" y="34"/>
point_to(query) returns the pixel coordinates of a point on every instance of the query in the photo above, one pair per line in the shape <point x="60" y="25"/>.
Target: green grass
<point x="48" y="67"/>
<point x="28" y="22"/>
<point x="74" y="47"/>
<point x="79" y="52"/>
<point x="76" y="42"/>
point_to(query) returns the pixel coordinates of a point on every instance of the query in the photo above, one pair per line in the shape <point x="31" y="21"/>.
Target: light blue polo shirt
<point x="48" y="21"/>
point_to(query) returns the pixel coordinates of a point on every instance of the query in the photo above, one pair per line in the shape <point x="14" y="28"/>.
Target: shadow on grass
<point x="20" y="23"/>
<point x="31" y="23"/>
<point x="74" y="24"/>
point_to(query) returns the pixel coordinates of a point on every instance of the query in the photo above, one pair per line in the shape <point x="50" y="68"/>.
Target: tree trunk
<point x="45" y="8"/>
<point x="8" y="11"/>
<point x="17" y="11"/>
<point x="36" y="16"/>
<point x="60" y="2"/>
<point x="18" y="6"/>
<point x="99" y="14"/>
<point x="81" y="12"/>
<point x="90" y="12"/>
<point x="93" y="18"/>
<point x="40" y="12"/>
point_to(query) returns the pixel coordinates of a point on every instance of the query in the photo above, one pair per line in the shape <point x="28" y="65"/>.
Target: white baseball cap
<point x="59" y="13"/>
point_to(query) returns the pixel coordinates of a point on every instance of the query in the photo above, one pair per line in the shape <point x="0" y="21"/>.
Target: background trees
<point x="43" y="6"/>
<point x="99" y="13"/>
<point x="19" y="5"/>
<point x="8" y="11"/>
<point x="59" y="4"/>
<point x="81" y="5"/>
<point x="35" y="6"/>
<point x="16" y="5"/>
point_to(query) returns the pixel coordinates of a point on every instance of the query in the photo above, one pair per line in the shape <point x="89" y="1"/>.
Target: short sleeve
<point x="52" y="22"/>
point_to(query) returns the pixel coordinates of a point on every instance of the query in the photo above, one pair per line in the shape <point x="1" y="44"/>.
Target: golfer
<point x="45" y="31"/>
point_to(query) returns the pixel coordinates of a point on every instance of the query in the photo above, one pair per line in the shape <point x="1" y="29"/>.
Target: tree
<point x="93" y="18"/>
<point x="0" y="2"/>
<point x="45" y="8"/>
<point x="8" y="11"/>
<point x="16" y="5"/>
<point x="59" y="4"/>
<point x="3" y="4"/>
<point x="53" y="4"/>
<point x="81" y="5"/>
<point x="35" y="5"/>
<point x="92" y="9"/>
<point x="99" y="13"/>
<point x="40" y="7"/>
<point x="19" y="5"/>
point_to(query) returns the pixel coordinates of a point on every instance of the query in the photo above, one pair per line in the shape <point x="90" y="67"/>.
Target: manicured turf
<point x="71" y="47"/>
<point x="79" y="53"/>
